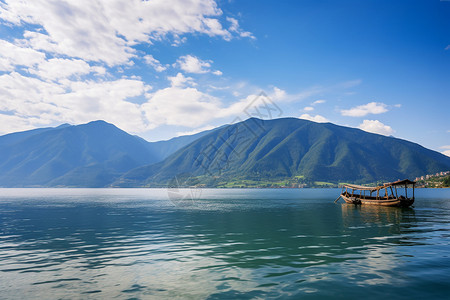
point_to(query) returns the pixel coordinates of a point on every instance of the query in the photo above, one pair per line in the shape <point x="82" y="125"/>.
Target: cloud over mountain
<point x="64" y="61"/>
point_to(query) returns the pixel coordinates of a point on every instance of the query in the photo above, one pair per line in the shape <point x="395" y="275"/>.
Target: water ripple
<point x="83" y="246"/>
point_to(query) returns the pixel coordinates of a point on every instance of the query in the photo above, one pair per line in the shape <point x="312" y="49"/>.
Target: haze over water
<point x="223" y="244"/>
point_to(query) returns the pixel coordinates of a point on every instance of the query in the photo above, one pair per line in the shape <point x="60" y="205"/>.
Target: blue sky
<point x="165" y="68"/>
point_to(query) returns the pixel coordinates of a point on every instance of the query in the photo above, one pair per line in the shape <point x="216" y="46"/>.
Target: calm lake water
<point x="220" y="244"/>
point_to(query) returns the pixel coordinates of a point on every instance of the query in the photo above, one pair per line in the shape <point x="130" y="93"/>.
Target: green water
<point x="220" y="244"/>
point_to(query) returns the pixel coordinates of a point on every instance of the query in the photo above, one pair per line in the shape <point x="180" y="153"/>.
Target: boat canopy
<point x="404" y="182"/>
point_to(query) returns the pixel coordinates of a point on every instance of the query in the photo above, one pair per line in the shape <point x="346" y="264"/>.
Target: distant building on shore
<point x="428" y="176"/>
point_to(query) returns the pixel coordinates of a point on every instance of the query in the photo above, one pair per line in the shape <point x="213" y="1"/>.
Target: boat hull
<point x="395" y="202"/>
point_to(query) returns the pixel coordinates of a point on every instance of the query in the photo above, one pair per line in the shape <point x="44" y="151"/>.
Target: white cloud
<point x="215" y="28"/>
<point x="308" y="108"/>
<point x="31" y="102"/>
<point x="104" y="100"/>
<point x="363" y="110"/>
<point x="151" y="61"/>
<point x="197" y="130"/>
<point x="192" y="64"/>
<point x="234" y="27"/>
<point x="58" y="68"/>
<point x="278" y="94"/>
<point x="107" y="30"/>
<point x="316" y="118"/>
<point x="180" y="80"/>
<point x="376" y="126"/>
<point x="27" y="96"/>
<point x="12" y="56"/>
<point x="180" y="106"/>
<point x="447" y="151"/>
<point x="61" y="68"/>
<point x="12" y="123"/>
<point x="259" y="105"/>
<point x="190" y="107"/>
<point x="318" y="102"/>
<point x="318" y="90"/>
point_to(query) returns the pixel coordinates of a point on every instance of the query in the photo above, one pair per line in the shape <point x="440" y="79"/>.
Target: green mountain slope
<point x="88" y="155"/>
<point x="163" y="149"/>
<point x="271" y="150"/>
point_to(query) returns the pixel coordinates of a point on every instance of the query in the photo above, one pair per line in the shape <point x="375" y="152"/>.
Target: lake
<point x="220" y="244"/>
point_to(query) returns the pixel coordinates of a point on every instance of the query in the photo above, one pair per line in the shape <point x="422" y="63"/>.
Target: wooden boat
<point x="387" y="194"/>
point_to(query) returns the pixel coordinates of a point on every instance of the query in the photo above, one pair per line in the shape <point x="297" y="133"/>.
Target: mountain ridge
<point x="87" y="155"/>
<point x="254" y="152"/>
<point x="289" y="148"/>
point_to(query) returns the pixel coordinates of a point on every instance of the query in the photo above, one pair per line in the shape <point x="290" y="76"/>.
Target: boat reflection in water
<point x="380" y="241"/>
<point x="374" y="214"/>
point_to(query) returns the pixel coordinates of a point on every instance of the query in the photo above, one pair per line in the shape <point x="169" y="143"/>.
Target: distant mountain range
<point x="250" y="153"/>
<point x="88" y="155"/>
<point x="260" y="152"/>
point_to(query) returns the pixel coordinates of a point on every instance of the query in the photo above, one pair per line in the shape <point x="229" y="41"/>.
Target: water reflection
<point x="377" y="214"/>
<point x="221" y="248"/>
<point x="380" y="233"/>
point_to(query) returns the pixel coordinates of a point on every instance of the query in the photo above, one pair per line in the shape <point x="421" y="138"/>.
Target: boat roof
<point x="385" y="185"/>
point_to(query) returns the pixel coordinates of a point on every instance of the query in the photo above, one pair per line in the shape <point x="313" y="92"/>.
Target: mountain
<point x="162" y="149"/>
<point x="88" y="155"/>
<point x="250" y="153"/>
<point x="261" y="151"/>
